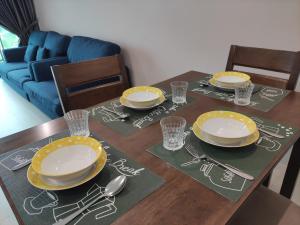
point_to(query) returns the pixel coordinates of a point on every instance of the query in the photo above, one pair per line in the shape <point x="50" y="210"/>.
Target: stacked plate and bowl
<point x="142" y="97"/>
<point x="226" y="129"/>
<point x="66" y="163"/>
<point x="229" y="80"/>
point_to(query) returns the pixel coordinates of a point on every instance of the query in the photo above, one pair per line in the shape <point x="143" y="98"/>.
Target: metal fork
<point x="204" y="83"/>
<point x="119" y="114"/>
<point x="192" y="151"/>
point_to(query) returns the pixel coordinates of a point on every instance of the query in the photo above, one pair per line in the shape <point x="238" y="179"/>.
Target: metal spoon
<point x="121" y="115"/>
<point x="113" y="188"/>
<point x="204" y="83"/>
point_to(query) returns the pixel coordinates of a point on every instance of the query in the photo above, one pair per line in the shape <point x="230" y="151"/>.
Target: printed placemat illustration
<point x="40" y="207"/>
<point x="264" y="99"/>
<point x="251" y="159"/>
<point x="137" y="119"/>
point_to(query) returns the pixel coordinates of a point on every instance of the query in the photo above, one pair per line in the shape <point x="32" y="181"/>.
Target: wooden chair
<point x="267" y="59"/>
<point x="277" y="61"/>
<point x="265" y="207"/>
<point x="88" y="83"/>
<point x="291" y="172"/>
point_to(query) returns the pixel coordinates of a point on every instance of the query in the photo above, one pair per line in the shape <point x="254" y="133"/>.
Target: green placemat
<point x="251" y="159"/>
<point x="38" y="207"/>
<point x="264" y="99"/>
<point x="138" y="119"/>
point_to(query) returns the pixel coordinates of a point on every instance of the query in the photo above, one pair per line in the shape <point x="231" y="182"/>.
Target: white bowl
<point x="76" y="160"/>
<point x="142" y="96"/>
<point x="231" y="79"/>
<point x="226" y="127"/>
<point x="67" y="158"/>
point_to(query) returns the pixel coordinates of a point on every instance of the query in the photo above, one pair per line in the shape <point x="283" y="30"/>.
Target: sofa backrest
<point x="37" y="38"/>
<point x="56" y="44"/>
<point x="85" y="48"/>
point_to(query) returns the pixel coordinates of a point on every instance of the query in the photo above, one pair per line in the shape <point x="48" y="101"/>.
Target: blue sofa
<point x="28" y="69"/>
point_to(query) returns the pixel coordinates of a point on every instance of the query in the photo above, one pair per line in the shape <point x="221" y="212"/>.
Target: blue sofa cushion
<point x="57" y="44"/>
<point x="42" y="69"/>
<point x="6" y="67"/>
<point x="85" y="48"/>
<point x="30" y="53"/>
<point x="14" y="54"/>
<point x="19" y="77"/>
<point x="45" y="94"/>
<point x="37" y="38"/>
<point x="42" y="53"/>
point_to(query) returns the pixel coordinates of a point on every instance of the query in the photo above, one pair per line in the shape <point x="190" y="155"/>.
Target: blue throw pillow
<point x="42" y="53"/>
<point x="30" y="53"/>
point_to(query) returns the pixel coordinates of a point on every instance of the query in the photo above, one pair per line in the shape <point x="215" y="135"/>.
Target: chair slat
<point x="91" y="96"/>
<point x="95" y="72"/>
<point x="267" y="59"/>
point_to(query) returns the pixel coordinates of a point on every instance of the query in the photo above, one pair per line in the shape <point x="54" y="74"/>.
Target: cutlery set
<point x="121" y="115"/>
<point x="113" y="188"/>
<point x="193" y="152"/>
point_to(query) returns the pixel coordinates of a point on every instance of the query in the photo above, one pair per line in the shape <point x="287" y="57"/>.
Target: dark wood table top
<point x="181" y="200"/>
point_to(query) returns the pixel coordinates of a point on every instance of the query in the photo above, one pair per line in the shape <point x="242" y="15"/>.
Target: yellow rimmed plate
<point x="250" y="140"/>
<point x="230" y="78"/>
<point x="125" y="103"/>
<point x="225" y="127"/>
<point x="39" y="181"/>
<point x="67" y="158"/>
<point x="216" y="85"/>
<point x="142" y="96"/>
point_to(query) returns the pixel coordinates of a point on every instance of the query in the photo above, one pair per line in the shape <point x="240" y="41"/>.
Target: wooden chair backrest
<point x="267" y="59"/>
<point x="90" y="72"/>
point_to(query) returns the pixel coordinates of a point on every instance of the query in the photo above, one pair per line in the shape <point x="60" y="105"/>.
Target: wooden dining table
<point x="181" y="200"/>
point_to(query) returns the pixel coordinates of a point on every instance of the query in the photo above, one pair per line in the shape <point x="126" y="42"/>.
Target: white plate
<point x="46" y="183"/>
<point x="238" y="145"/>
<point x="58" y="182"/>
<point x="250" y="140"/>
<point x="213" y="83"/>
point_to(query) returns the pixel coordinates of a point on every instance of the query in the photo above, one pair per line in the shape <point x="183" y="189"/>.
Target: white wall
<point x="163" y="38"/>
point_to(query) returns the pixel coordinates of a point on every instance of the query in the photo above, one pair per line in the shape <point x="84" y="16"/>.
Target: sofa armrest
<point x="14" y="54"/>
<point x="42" y="69"/>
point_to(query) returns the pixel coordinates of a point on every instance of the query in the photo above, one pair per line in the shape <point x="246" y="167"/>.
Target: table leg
<point x="267" y="180"/>
<point x="291" y="171"/>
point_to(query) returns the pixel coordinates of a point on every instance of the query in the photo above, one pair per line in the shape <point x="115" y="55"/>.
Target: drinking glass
<point x="78" y="122"/>
<point x="243" y="94"/>
<point x="179" y="89"/>
<point x="173" y="132"/>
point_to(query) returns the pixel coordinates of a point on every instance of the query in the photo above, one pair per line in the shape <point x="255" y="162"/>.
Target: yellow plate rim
<point x="62" y="142"/>
<point x="250" y="140"/>
<point x="142" y="88"/>
<point x="213" y="82"/>
<point x="232" y="73"/>
<point x="251" y="125"/>
<point x="45" y="186"/>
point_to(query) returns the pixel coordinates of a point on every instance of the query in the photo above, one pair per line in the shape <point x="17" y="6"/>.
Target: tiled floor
<point x="17" y="114"/>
